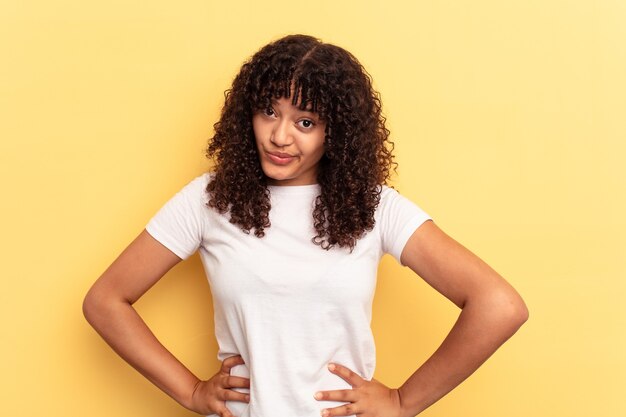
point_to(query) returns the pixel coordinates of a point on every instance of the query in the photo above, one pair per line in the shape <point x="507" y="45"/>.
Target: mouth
<point x="280" y="158"/>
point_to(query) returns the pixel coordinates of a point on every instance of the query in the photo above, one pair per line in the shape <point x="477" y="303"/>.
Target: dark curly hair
<point x="357" y="154"/>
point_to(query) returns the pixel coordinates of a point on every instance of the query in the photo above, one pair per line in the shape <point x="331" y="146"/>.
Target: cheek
<point x="319" y="148"/>
<point x="257" y="129"/>
<point x="315" y="146"/>
<point x="258" y="136"/>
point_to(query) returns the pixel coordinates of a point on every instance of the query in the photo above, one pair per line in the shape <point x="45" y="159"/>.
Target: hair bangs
<point x="293" y="84"/>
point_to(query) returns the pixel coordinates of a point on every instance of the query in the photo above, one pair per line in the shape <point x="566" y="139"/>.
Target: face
<point x="290" y="143"/>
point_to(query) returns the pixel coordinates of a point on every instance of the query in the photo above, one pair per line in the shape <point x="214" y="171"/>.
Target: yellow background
<point x="509" y="124"/>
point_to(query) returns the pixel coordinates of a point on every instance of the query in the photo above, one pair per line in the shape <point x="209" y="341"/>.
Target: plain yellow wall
<point x="509" y="124"/>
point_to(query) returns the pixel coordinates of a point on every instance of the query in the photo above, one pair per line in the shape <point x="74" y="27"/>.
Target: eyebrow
<point x="307" y="109"/>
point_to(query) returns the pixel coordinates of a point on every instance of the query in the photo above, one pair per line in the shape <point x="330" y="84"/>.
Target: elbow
<point x="523" y="313"/>
<point x="97" y="306"/>
<point x="90" y="307"/>
<point x="513" y="309"/>
<point x="519" y="314"/>
<point x="503" y="308"/>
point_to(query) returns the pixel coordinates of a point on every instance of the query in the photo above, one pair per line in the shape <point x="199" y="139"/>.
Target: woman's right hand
<point x="209" y="397"/>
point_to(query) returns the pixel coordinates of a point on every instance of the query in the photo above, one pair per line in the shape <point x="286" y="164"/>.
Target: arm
<point x="108" y="308"/>
<point x="492" y="311"/>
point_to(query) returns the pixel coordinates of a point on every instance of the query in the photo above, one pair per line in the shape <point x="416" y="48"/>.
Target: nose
<point x="281" y="135"/>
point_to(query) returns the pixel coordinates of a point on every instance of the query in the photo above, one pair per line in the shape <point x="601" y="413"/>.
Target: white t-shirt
<point x="284" y="304"/>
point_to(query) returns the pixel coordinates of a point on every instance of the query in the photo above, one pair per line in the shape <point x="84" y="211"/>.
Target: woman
<point x="290" y="227"/>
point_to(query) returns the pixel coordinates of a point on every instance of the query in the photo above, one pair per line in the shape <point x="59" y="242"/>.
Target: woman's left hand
<point x="366" y="398"/>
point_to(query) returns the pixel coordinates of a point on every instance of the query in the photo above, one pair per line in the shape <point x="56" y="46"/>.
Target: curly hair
<point x="357" y="156"/>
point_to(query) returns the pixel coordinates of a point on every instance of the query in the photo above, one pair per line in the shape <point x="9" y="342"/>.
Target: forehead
<point x="283" y="93"/>
<point x="289" y="102"/>
<point x="299" y="88"/>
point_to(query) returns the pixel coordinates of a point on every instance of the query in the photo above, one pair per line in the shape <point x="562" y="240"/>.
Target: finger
<point x="345" y="395"/>
<point x="346" y="374"/>
<point x="224" y="412"/>
<point x="230" y="395"/>
<point x="237" y="382"/>
<point x="231" y="362"/>
<point x="342" y="410"/>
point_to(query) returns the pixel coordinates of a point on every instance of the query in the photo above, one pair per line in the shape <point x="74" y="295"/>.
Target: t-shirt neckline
<point x="309" y="189"/>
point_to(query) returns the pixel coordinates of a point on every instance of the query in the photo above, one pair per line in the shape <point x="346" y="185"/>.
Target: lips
<point x="280" y="158"/>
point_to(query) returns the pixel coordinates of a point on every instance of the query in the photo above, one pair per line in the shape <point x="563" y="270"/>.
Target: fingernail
<point x="331" y="366"/>
<point x="248" y="398"/>
<point x="318" y="396"/>
<point x="324" y="412"/>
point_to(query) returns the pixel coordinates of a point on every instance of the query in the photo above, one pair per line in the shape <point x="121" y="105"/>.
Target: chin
<point x="276" y="174"/>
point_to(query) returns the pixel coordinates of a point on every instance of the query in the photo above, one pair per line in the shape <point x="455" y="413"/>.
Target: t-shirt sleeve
<point x="399" y="218"/>
<point x="179" y="224"/>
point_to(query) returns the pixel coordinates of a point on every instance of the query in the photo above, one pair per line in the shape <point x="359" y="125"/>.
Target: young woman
<point x="290" y="227"/>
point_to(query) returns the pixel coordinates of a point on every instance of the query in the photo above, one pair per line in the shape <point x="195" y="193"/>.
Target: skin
<point x="290" y="142"/>
<point x="491" y="310"/>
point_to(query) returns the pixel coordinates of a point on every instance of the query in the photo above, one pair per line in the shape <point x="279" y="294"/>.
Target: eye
<point x="269" y="112"/>
<point x="306" y="123"/>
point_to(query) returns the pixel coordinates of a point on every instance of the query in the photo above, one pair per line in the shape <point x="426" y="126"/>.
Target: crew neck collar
<point x="309" y="189"/>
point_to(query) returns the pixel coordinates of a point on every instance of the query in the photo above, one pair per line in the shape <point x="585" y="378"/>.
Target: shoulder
<point x="202" y="180"/>
<point x="181" y="222"/>
<point x="392" y="200"/>
<point x="192" y="196"/>
<point x="196" y="188"/>
<point x="387" y="192"/>
<point x="393" y="206"/>
<point x="397" y="218"/>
